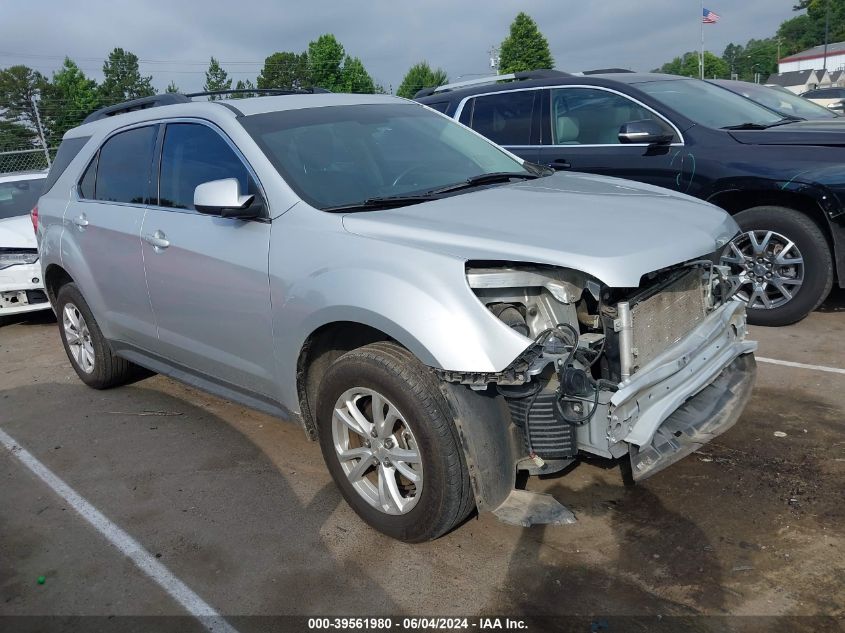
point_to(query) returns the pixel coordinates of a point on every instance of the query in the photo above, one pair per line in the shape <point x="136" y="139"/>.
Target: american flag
<point x="710" y="17"/>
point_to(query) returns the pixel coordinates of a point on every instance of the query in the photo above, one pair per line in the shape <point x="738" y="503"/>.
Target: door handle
<point x="158" y="240"/>
<point x="560" y="163"/>
<point x="80" y="221"/>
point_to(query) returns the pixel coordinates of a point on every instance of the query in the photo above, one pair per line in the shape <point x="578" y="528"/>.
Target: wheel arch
<point x="54" y="278"/>
<point x="321" y="348"/>
<point x="808" y="200"/>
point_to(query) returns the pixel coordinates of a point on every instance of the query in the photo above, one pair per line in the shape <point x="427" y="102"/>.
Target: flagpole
<point x="701" y="54"/>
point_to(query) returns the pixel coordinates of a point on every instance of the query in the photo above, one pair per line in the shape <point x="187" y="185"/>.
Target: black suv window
<point x="123" y="174"/>
<point x="193" y="154"/>
<point x="504" y="117"/>
<point x="588" y="116"/>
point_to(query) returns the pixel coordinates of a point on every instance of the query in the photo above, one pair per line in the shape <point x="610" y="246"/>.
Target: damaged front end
<point x="648" y="374"/>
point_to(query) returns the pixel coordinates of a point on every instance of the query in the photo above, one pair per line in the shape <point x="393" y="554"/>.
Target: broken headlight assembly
<point x="15" y="256"/>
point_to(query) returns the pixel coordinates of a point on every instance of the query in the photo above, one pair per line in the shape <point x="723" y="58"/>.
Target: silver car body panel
<point x="401" y="271"/>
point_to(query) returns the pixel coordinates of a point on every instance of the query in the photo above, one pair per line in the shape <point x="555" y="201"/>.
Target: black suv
<point x="782" y="178"/>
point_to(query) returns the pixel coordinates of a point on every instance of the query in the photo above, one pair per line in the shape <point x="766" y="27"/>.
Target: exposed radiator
<point x="666" y="317"/>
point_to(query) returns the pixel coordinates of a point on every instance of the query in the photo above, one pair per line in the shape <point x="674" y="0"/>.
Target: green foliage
<point x="807" y="30"/>
<point x="325" y="56"/>
<point x="172" y="87"/>
<point x="525" y="48"/>
<point x="67" y="100"/>
<point x="15" y="136"/>
<point x="216" y="79"/>
<point x="285" y="70"/>
<point x="122" y="79"/>
<point x="20" y="87"/>
<point x="243" y="85"/>
<point x="757" y="56"/>
<point x="421" y="76"/>
<point x="355" y="78"/>
<point x="687" y="66"/>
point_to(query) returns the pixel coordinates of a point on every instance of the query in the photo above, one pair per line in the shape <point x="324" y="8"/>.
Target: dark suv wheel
<point x="390" y="444"/>
<point x="86" y="347"/>
<point x="783" y="263"/>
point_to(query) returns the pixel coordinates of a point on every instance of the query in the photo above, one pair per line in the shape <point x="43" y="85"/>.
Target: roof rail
<point x="604" y="71"/>
<point x="143" y="103"/>
<point x="260" y="91"/>
<point x="170" y="98"/>
<point x="518" y="76"/>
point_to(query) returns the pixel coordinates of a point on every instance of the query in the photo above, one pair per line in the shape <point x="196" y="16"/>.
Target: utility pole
<point x="494" y="59"/>
<point x="826" y="34"/>
<point x="701" y="55"/>
<point x="41" y="131"/>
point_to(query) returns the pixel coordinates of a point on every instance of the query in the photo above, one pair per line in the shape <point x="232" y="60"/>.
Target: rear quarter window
<point x="67" y="152"/>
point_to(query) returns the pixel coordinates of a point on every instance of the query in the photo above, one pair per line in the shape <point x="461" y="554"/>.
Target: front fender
<point x="420" y="299"/>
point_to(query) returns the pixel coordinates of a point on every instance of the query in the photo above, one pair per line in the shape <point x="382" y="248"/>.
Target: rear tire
<point x="785" y="225"/>
<point x="87" y="349"/>
<point x="436" y="495"/>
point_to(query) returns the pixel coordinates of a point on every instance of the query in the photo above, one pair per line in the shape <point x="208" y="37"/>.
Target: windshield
<point x="336" y="156"/>
<point x="18" y="197"/>
<point x="707" y="104"/>
<point x="782" y="102"/>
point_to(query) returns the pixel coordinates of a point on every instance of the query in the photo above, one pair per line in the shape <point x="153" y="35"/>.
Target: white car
<point x="21" y="286"/>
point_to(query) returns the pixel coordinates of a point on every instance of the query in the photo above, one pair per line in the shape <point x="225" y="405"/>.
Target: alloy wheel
<point x="78" y="338"/>
<point x="377" y="450"/>
<point x="768" y="266"/>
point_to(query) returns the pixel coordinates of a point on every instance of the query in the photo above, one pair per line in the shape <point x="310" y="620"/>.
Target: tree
<point x="172" y="87"/>
<point x="525" y="48"/>
<point x="325" y="56"/>
<point x="285" y="70"/>
<point x="355" y="78"/>
<point x="687" y="66"/>
<point x="243" y="85"/>
<point x="67" y="100"/>
<point x="122" y="79"/>
<point x="216" y="79"/>
<point x="420" y="76"/>
<point x="20" y="89"/>
<point x="15" y="136"/>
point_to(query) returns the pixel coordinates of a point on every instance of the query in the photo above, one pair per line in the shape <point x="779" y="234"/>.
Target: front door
<point x="207" y="275"/>
<point x="584" y="130"/>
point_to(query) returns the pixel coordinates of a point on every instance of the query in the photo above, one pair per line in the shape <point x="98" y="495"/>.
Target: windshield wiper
<point x="762" y="126"/>
<point x="383" y="202"/>
<point x="486" y="179"/>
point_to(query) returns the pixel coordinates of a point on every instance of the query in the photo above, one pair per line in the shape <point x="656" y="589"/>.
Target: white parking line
<point x="146" y="562"/>
<point x="789" y="363"/>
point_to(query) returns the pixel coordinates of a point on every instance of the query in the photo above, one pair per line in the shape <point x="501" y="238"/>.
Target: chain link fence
<point x="24" y="160"/>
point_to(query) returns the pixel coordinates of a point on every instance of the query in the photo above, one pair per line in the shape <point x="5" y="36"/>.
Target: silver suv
<point x="438" y="313"/>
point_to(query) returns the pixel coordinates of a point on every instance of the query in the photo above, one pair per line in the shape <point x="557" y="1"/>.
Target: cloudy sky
<point x="175" y="38"/>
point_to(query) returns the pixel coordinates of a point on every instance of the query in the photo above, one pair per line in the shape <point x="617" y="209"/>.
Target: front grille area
<point x="550" y="438"/>
<point x="663" y="319"/>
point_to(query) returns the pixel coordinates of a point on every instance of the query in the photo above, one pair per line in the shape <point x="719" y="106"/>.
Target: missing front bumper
<point x="703" y="417"/>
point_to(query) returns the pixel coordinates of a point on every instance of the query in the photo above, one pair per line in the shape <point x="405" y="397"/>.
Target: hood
<point x="612" y="229"/>
<point x="826" y="132"/>
<point x="17" y="233"/>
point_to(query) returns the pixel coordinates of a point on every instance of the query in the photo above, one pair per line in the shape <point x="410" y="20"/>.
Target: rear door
<point x="102" y="239"/>
<point x="207" y="275"/>
<point x="510" y="119"/>
<point x="583" y="126"/>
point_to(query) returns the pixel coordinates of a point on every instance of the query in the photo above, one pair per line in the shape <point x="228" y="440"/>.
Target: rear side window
<point x="440" y="106"/>
<point x="18" y="197"/>
<point x="123" y="173"/>
<point x="67" y="152"/>
<point x="193" y="154"/>
<point x="504" y="118"/>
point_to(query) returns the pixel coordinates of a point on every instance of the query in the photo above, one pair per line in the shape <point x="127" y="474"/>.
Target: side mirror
<point x="646" y="131"/>
<point x="223" y="198"/>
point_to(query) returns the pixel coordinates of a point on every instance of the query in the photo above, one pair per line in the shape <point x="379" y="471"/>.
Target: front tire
<point x="390" y="444"/>
<point x="87" y="349"/>
<point x="783" y="262"/>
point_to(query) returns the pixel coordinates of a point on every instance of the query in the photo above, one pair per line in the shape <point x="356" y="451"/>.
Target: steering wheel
<point x="410" y="170"/>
